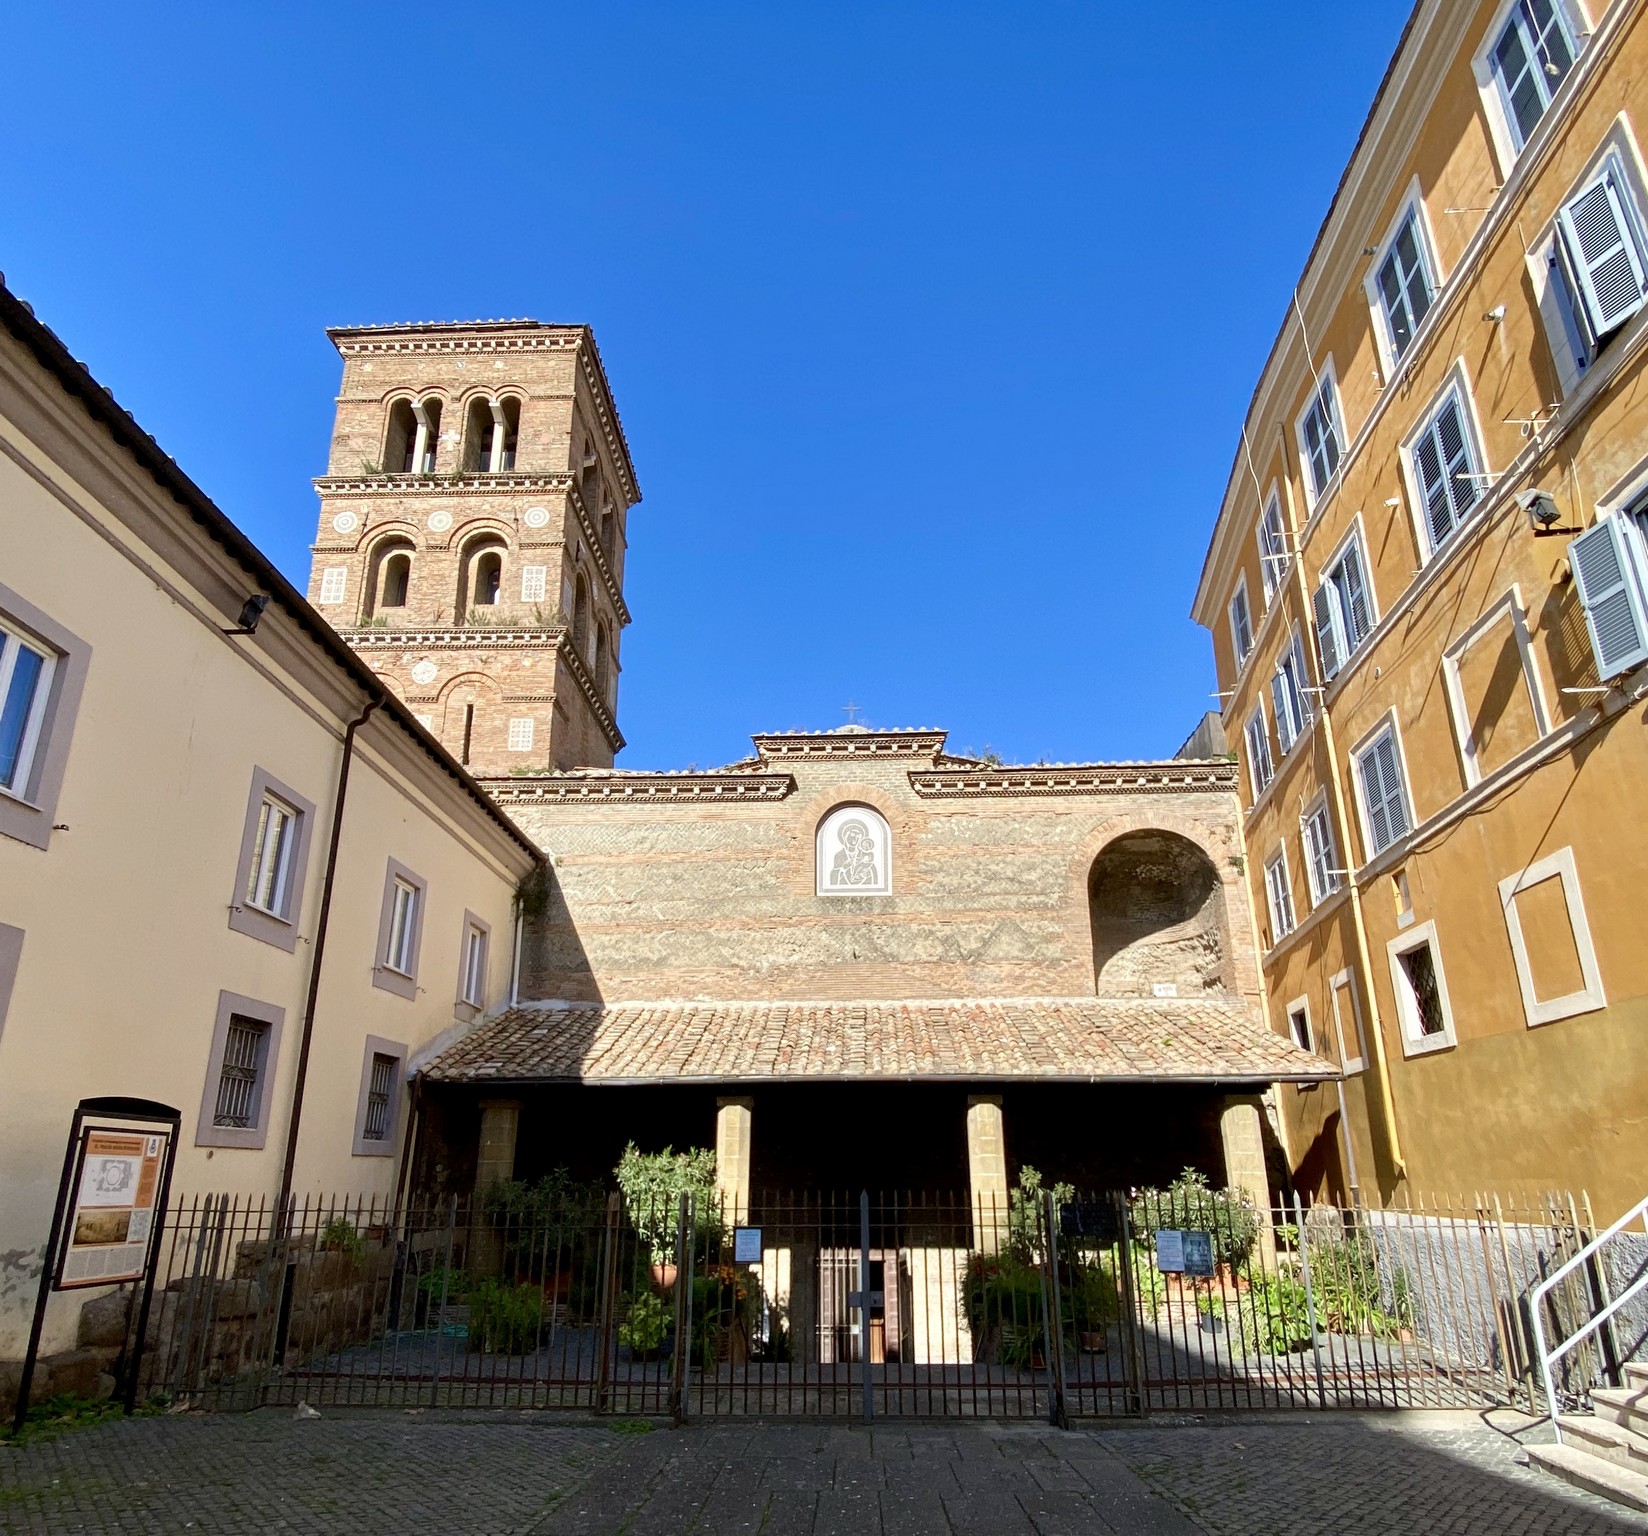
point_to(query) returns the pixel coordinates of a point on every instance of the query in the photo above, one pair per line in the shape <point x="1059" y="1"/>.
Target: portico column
<point x="732" y="1159"/>
<point x="987" y="1171"/>
<point x="1241" y="1128"/>
<point x="494" y="1164"/>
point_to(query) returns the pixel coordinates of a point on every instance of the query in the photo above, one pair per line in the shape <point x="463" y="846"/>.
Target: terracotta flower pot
<point x="663" y="1276"/>
<point x="1093" y="1341"/>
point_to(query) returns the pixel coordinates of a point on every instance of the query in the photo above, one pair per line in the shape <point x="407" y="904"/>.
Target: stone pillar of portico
<point x="732" y="1159"/>
<point x="494" y="1164"/>
<point x="987" y="1171"/>
<point x="1241" y="1128"/>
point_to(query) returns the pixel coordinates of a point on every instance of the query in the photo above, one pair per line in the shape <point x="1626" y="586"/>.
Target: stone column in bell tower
<point x="471" y="538"/>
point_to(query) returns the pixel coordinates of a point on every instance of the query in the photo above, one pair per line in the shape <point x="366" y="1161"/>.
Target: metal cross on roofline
<point x="850" y="710"/>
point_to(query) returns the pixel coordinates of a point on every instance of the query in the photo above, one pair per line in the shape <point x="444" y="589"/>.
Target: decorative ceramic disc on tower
<point x="345" y="522"/>
<point x="439" y="522"/>
<point x="424" y="673"/>
<point x="536" y="517"/>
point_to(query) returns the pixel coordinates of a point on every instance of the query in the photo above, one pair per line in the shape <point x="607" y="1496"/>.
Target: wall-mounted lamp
<point x="250" y="612"/>
<point x="1543" y="513"/>
<point x="1495" y="315"/>
<point x="1393" y="502"/>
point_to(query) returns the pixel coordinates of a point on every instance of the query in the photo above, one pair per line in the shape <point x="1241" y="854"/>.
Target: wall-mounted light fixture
<point x="1543" y="512"/>
<point x="250" y="612"/>
<point x="1496" y="315"/>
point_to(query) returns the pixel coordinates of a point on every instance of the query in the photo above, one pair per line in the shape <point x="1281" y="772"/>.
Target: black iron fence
<point x="1050" y="1304"/>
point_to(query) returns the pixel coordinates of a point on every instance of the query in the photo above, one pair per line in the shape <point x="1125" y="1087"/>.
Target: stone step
<point x="1612" y="1442"/>
<point x="1625" y="1406"/>
<point x="1636" y="1375"/>
<point x="1583" y="1470"/>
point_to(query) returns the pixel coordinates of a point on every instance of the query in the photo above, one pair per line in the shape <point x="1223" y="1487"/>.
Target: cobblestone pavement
<point x="370" y="1471"/>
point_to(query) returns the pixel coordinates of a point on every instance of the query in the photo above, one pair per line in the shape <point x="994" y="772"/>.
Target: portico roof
<point x="1086" y="1040"/>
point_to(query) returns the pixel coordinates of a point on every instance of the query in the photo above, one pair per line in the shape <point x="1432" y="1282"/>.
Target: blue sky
<point x="931" y="325"/>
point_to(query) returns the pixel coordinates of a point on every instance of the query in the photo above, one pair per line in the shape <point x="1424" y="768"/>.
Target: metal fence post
<point x="683" y="1312"/>
<point x="864" y="1301"/>
<point x="1133" y="1323"/>
<point x="1310" y="1299"/>
<point x="605" y="1321"/>
<point x="1052" y="1315"/>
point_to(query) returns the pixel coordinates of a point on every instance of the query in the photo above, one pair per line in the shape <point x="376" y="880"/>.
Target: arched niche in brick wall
<point x="1157" y="911"/>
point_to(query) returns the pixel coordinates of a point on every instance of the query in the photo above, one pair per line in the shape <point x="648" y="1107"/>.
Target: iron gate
<point x="837" y="1305"/>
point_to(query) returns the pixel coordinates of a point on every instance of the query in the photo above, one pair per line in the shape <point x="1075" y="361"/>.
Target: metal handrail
<point x="1547" y="1357"/>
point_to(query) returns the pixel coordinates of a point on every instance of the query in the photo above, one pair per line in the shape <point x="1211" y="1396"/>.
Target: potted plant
<point x="652" y="1184"/>
<point x="644" y="1327"/>
<point x="1210" y="1312"/>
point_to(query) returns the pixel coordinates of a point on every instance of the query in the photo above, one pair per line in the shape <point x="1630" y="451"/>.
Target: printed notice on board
<point x="114" y="1208"/>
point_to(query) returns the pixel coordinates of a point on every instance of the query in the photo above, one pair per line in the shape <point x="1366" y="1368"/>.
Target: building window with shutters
<point x="1402" y="281"/>
<point x="1241" y="625"/>
<point x="1343" y="604"/>
<point x="1299" y="1030"/>
<point x="1526" y="55"/>
<point x="377" y="1109"/>
<point x="1322" y="871"/>
<point x="1609" y="562"/>
<point x="1321" y="433"/>
<point x="1273" y="551"/>
<point x="1279" y="896"/>
<point x="240" y="1070"/>
<point x="1443" y="457"/>
<point x="1592" y="266"/>
<point x="1381" y="790"/>
<point x="1422" y="1004"/>
<point x="1256" y="736"/>
<point x="1289" y="695"/>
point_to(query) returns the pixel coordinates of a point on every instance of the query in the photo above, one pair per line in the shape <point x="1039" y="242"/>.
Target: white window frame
<point x="271" y="806"/>
<point x="475" y="949"/>
<point x="1387" y="724"/>
<point x="1501" y="125"/>
<point x="1237" y="650"/>
<point x="1279" y="896"/>
<point x="1325" y="382"/>
<point x="1455" y="386"/>
<point x="1344" y="982"/>
<point x="1291" y="665"/>
<point x="1414" y="1042"/>
<point x="1413" y="206"/>
<point x="1253" y="759"/>
<point x="534" y="583"/>
<point x="1297" y="1006"/>
<point x="403" y="927"/>
<point x="1508" y="609"/>
<point x="521" y="733"/>
<point x="1354" y="544"/>
<point x="1273" y="563"/>
<point x="1590" y="996"/>
<point x="396" y="969"/>
<point x="334" y="586"/>
<point x="1314" y="814"/>
<point x="14" y="639"/>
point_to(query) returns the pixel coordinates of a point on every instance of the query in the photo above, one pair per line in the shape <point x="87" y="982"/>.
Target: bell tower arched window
<point x="602" y="662"/>
<point x="413" y="434"/>
<point x="480" y="575"/>
<point x="389" y="577"/>
<point x="580" y="619"/>
<point x="491" y="431"/>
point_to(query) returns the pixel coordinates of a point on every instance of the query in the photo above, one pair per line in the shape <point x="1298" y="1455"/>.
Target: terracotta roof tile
<point x="1045" y="1039"/>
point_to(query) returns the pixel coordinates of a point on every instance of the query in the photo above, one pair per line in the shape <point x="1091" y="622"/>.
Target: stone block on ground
<point x="104" y="1320"/>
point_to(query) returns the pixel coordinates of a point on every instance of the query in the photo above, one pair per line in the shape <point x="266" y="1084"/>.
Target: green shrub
<point x="505" y="1319"/>
<point x="1092" y="1299"/>
<point x="645" y="1324"/>
<point x="340" y="1235"/>
<point x="653" y="1183"/>
<point x="1272" y="1317"/>
<point x="1189" y="1204"/>
<point x="1025" y="1239"/>
<point x="1350" y="1294"/>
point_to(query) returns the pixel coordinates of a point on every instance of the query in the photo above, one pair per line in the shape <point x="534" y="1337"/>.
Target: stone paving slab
<point x="362" y="1472"/>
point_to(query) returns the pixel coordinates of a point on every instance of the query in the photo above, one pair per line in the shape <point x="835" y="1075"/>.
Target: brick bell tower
<point x="471" y="542"/>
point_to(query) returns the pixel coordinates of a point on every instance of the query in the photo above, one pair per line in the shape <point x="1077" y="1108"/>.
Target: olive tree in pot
<point x="652" y="1184"/>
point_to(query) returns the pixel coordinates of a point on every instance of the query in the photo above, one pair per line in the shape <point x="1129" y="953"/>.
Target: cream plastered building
<point x="1427" y="589"/>
<point x="169" y="792"/>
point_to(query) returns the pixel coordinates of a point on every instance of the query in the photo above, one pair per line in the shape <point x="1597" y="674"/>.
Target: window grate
<point x="242" y="1066"/>
<point x="1419" y="966"/>
<point x="377" y="1098"/>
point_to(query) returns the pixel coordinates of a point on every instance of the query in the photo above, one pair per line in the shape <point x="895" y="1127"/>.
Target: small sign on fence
<point x="1094" y="1219"/>
<point x="1184" y="1253"/>
<point x="746" y="1245"/>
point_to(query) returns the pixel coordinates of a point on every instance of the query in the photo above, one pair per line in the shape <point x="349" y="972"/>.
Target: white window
<point x="1447" y="469"/>
<point x="1528" y="57"/>
<point x="1241" y="625"/>
<point x="520" y="735"/>
<point x="534" y="583"/>
<point x="26" y="667"/>
<point x="403" y="927"/>
<point x="1298" y="1015"/>
<point x="1421" y="991"/>
<point x="1273" y="555"/>
<point x="1403" y="283"/>
<point x="1343" y="605"/>
<point x="1385" y="814"/>
<point x="1610" y="565"/>
<point x="1347" y="1021"/>
<point x="332" y="582"/>
<point x="272" y="846"/>
<point x="1322" y="871"/>
<point x="1321" y="436"/>
<point x="1596" y="262"/>
<point x="1260" y="770"/>
<point x="1279" y="895"/>
<point x="1287" y="695"/>
<point x="474" y="966"/>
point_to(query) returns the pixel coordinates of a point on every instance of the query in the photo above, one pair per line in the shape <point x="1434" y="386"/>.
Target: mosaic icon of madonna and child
<point x="855" y="860"/>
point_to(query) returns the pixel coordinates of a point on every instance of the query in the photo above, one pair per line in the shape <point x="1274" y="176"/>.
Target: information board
<point x="112" y="1214"/>
<point x="746" y="1245"/>
<point x="1198" y="1254"/>
<point x="1095" y="1220"/>
<point x="1169" y="1251"/>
